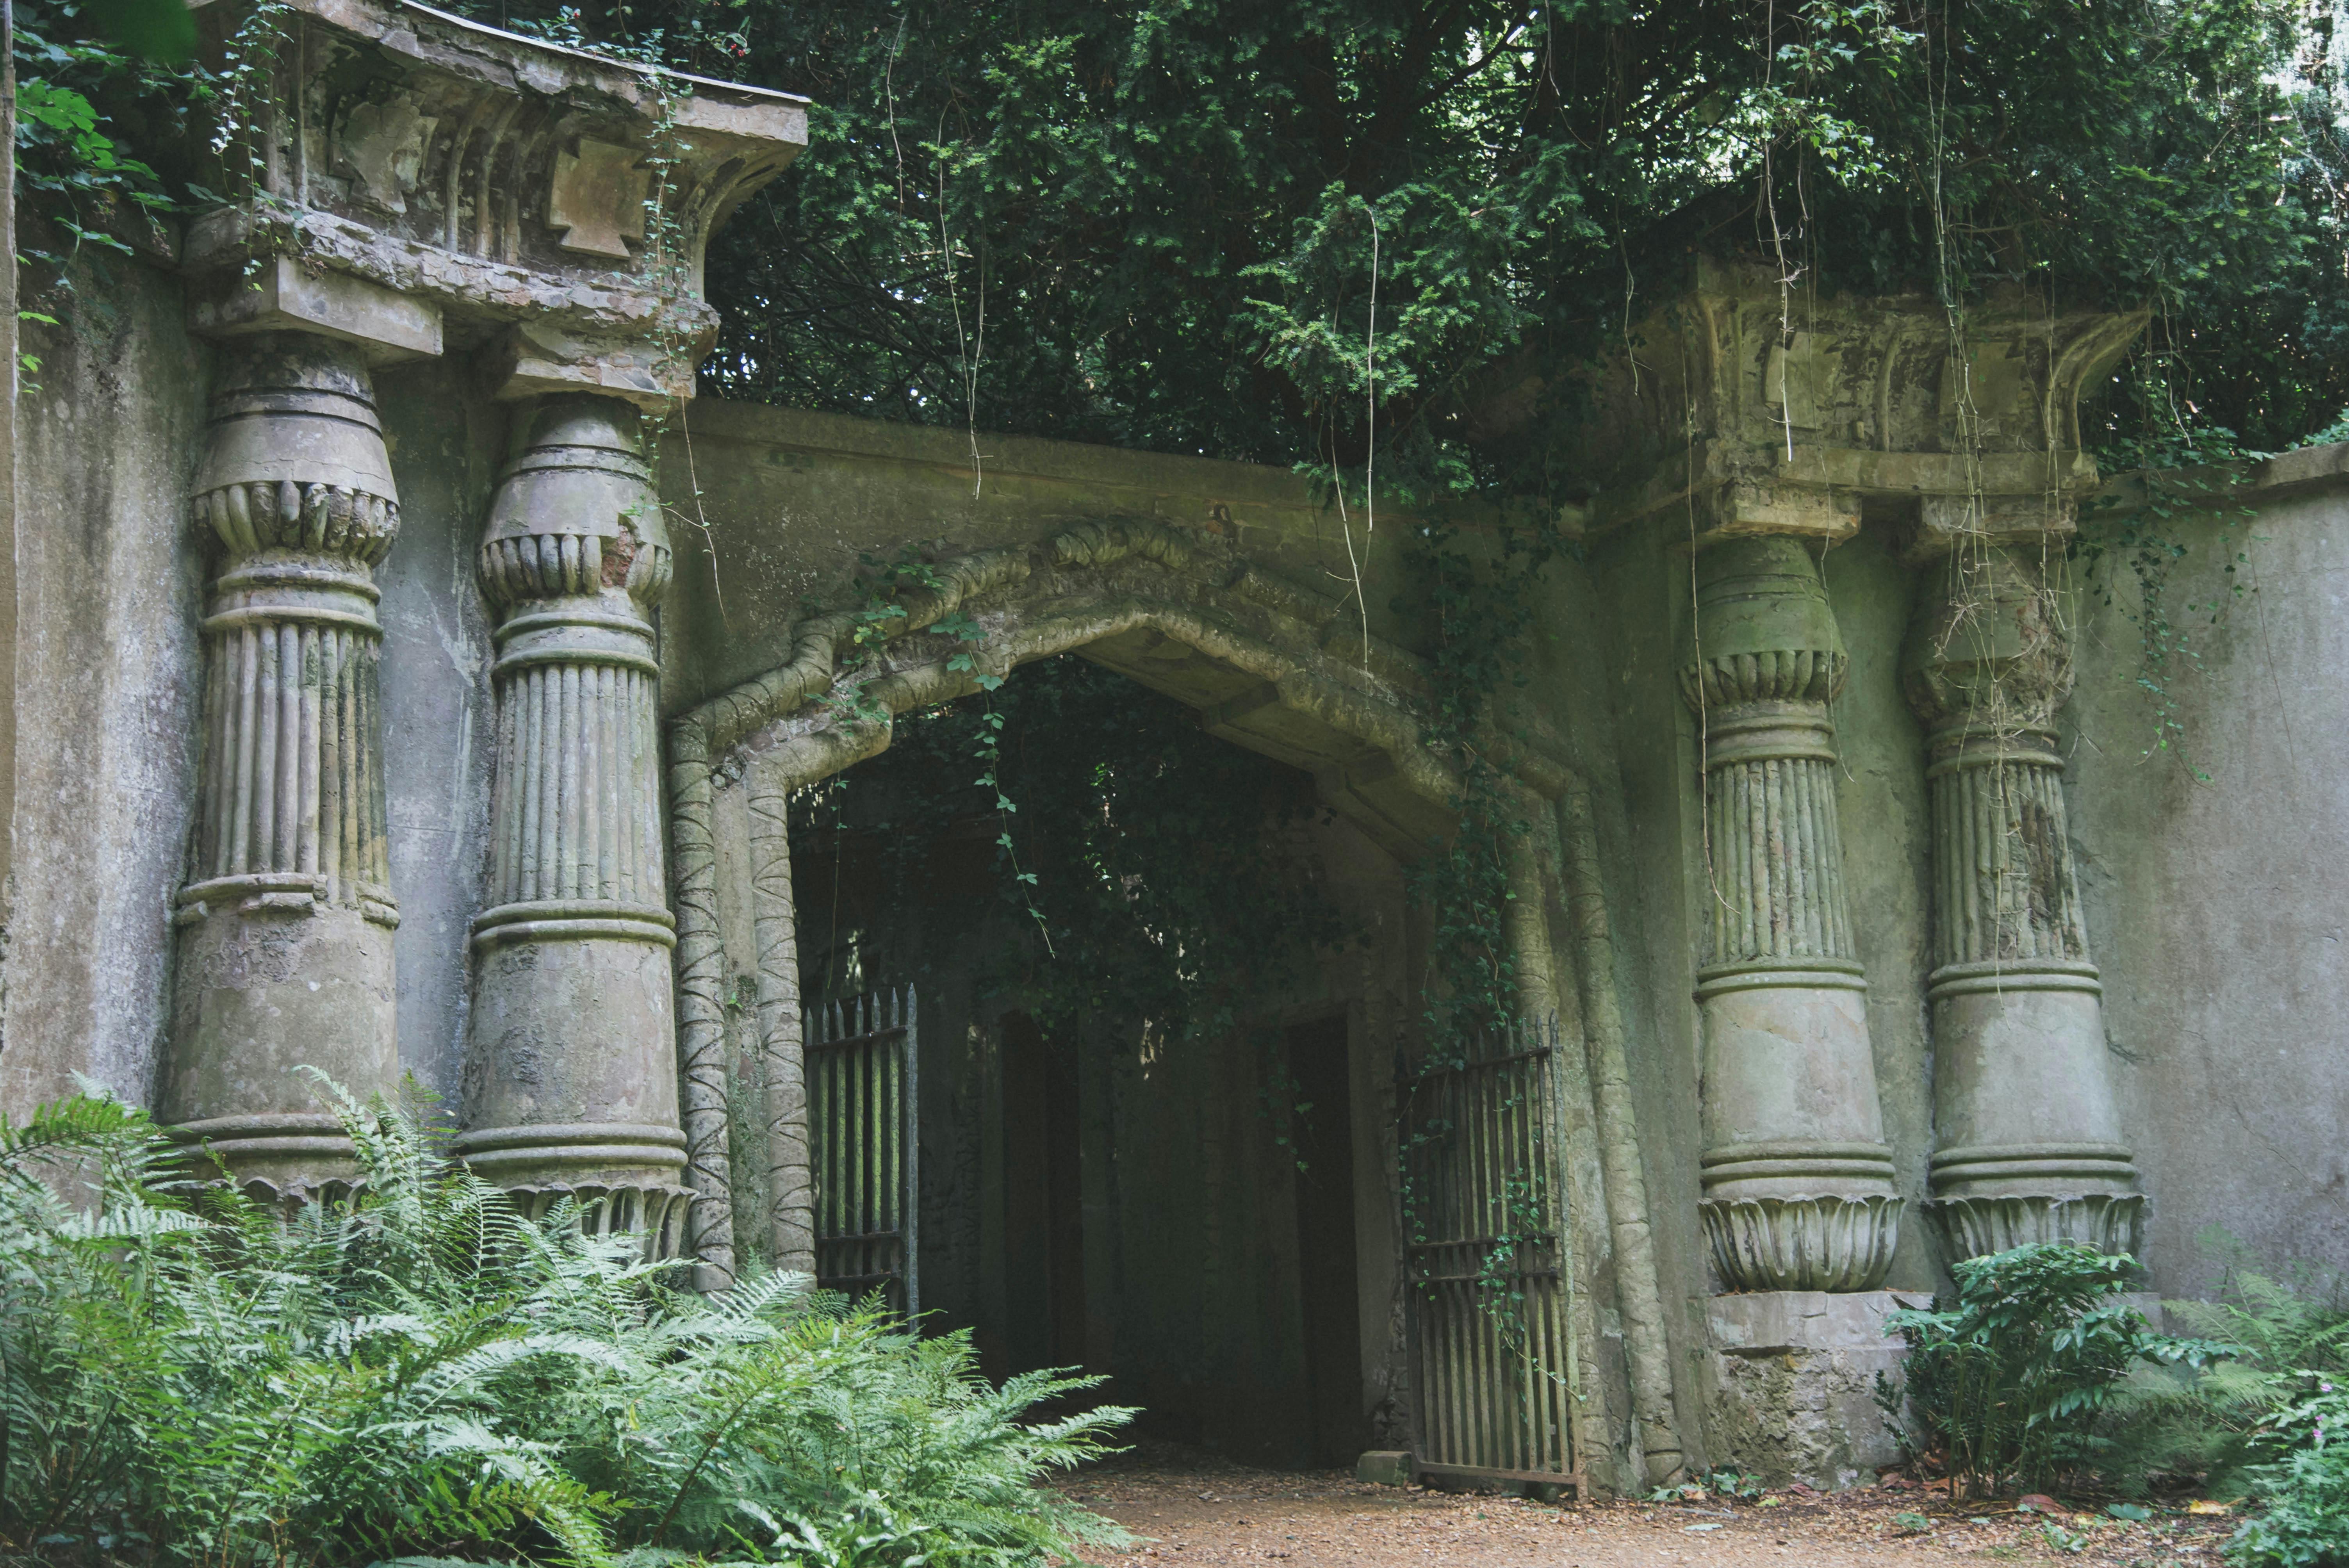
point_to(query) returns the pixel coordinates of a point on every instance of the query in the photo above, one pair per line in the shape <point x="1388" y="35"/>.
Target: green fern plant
<point x="2289" y="1334"/>
<point x="2010" y="1379"/>
<point x="419" y="1372"/>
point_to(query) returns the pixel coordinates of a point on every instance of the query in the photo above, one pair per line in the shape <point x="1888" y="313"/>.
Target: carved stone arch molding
<point x="1268" y="664"/>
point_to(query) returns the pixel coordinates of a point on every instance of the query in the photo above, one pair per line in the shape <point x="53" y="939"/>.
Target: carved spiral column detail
<point x="1797" y="1182"/>
<point x="2030" y="1147"/>
<point x="283" y="946"/>
<point x="571" y="1085"/>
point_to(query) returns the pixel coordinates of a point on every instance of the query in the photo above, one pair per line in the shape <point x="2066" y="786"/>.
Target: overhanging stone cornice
<point x="555" y="203"/>
<point x="1738" y="409"/>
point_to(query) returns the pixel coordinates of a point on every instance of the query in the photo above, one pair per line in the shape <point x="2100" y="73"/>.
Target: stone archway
<point x="1269" y="665"/>
<point x="1165" y="606"/>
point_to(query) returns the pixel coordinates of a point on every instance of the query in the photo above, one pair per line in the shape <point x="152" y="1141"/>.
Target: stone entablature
<point x="1745" y="408"/>
<point x="548" y="202"/>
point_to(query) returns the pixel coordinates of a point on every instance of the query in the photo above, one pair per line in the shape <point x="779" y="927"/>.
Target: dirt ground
<point x="1195" y="1508"/>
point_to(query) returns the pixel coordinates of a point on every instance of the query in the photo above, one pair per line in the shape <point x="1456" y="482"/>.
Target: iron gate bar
<point x="863" y="1077"/>
<point x="1492" y="1350"/>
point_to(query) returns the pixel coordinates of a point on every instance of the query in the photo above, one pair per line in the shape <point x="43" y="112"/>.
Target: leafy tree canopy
<point x="1160" y="222"/>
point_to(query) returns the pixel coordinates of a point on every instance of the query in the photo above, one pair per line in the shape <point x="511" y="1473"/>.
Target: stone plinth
<point x="1793" y="1395"/>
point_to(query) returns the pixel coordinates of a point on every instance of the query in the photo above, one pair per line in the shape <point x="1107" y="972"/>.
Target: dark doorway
<point x="1043" y="1182"/>
<point x="1328" y="1282"/>
<point x="1111" y="1180"/>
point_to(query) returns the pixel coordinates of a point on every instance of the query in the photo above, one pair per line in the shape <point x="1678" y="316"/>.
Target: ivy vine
<point x="2184" y="475"/>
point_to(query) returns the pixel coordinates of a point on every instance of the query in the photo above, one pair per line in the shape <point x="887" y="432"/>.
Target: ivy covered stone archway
<point x="1268" y="664"/>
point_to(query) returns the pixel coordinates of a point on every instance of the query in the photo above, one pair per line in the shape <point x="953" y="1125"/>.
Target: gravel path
<point x="1195" y="1508"/>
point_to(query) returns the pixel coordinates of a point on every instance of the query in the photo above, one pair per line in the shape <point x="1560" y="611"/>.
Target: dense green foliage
<point x="83" y="179"/>
<point x="2290" y="1339"/>
<point x="1154" y="223"/>
<point x="193" y="1379"/>
<point x="1164" y="215"/>
<point x="1377" y="239"/>
<point x="1158" y="877"/>
<point x="2266" y="1420"/>
<point x="2305" y="1522"/>
<point x="2007" y="1380"/>
<point x="2038" y="1371"/>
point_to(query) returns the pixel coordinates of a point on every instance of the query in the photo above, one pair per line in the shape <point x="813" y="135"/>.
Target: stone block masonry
<point x="1798" y="1373"/>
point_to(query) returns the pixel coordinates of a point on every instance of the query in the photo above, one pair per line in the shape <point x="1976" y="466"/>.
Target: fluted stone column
<point x="1797" y="1183"/>
<point x="283" y="941"/>
<point x="571" y="1079"/>
<point x="2028" y="1132"/>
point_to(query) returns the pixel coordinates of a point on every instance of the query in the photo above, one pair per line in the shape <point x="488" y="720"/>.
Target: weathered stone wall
<point x="446" y="438"/>
<point x="1589" y="627"/>
<point x="106" y="687"/>
<point x="2213" y="872"/>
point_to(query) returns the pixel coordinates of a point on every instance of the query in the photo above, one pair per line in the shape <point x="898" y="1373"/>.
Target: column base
<point x="626" y="1179"/>
<point x="279" y="1159"/>
<point x="1803" y="1244"/>
<point x="1793" y="1394"/>
<point x="650" y="1208"/>
<point x="1980" y="1224"/>
<point x="264" y="989"/>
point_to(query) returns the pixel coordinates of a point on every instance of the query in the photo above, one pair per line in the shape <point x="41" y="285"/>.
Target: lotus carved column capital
<point x="1988" y="647"/>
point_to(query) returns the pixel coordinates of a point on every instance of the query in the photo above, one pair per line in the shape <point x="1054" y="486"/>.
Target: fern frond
<point x="135" y="1223"/>
<point x="758" y="1294"/>
<point x="424" y="1369"/>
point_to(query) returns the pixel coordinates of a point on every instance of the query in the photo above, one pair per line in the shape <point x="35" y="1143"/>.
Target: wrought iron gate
<point x="1492" y="1347"/>
<point x="864" y="1136"/>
